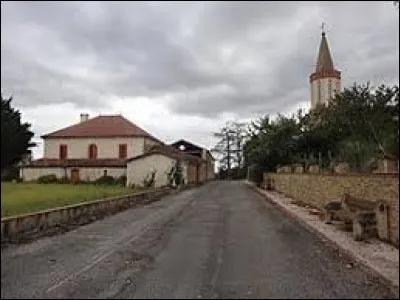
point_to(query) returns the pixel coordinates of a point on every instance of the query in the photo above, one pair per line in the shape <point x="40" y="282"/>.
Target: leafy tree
<point x="272" y="142"/>
<point x="358" y="124"/>
<point x="15" y="136"/>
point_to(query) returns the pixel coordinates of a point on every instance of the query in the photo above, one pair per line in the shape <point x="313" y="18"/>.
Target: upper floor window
<point x="92" y="151"/>
<point x="63" y="151"/>
<point x="122" y="151"/>
<point x="329" y="88"/>
<point x="319" y="91"/>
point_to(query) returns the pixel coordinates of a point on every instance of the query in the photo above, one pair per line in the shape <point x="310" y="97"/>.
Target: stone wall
<point x="52" y="221"/>
<point x="316" y="189"/>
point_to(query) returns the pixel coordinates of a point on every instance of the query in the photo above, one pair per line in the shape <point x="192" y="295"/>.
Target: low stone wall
<point x="52" y="221"/>
<point x="316" y="189"/>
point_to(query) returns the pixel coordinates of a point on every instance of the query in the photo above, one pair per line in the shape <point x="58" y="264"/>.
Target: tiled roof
<point x="324" y="62"/>
<point x="191" y="148"/>
<point x="101" y="126"/>
<point x="50" y="162"/>
<point x="168" y="151"/>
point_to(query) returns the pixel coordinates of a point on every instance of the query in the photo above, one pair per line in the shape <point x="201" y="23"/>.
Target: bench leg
<point x="348" y="225"/>
<point x="358" y="231"/>
<point x="328" y="217"/>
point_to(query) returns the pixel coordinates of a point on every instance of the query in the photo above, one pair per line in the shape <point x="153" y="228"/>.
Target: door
<point x="75" y="175"/>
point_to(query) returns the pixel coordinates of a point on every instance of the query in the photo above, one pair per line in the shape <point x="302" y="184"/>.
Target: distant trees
<point x="357" y="125"/>
<point x="229" y="148"/>
<point x="15" y="136"/>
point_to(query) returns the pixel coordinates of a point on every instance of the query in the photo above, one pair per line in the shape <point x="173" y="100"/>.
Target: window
<point x="319" y="91"/>
<point x="105" y="173"/>
<point x="63" y="151"/>
<point x="122" y="151"/>
<point x="92" y="151"/>
<point x="329" y="88"/>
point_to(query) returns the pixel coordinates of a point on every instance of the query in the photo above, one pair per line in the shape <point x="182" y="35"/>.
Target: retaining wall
<point x="316" y="189"/>
<point x="52" y="221"/>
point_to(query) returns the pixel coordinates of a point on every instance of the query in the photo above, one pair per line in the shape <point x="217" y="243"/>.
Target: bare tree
<point x="229" y="148"/>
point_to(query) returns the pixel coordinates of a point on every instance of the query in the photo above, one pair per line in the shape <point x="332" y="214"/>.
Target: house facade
<point x="161" y="160"/>
<point x="109" y="145"/>
<point x="207" y="164"/>
<point x="90" y="149"/>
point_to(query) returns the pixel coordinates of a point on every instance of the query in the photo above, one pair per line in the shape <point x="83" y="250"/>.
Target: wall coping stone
<point x="390" y="175"/>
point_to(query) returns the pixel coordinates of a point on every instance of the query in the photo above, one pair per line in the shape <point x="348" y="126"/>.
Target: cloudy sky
<point x="182" y="69"/>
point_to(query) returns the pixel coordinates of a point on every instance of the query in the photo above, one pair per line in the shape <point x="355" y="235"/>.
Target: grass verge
<point x="21" y="198"/>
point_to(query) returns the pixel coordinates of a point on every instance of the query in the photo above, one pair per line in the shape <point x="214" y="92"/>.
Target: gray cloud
<point x="209" y="57"/>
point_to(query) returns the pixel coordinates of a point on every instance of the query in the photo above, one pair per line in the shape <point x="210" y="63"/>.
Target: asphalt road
<point x="221" y="240"/>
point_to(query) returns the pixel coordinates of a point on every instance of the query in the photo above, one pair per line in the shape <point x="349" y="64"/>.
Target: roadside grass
<point x="21" y="198"/>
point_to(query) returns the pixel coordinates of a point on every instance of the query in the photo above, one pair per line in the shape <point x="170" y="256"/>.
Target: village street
<point x="221" y="240"/>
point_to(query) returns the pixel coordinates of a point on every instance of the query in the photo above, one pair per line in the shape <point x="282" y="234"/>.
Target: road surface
<point x="221" y="240"/>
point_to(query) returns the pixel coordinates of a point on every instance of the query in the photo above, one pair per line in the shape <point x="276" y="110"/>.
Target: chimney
<point x="84" y="117"/>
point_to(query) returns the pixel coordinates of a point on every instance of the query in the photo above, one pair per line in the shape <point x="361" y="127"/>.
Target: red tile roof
<point x="101" y="126"/>
<point x="51" y="162"/>
<point x="170" y="152"/>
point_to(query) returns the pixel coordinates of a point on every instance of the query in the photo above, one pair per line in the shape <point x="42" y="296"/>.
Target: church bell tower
<point x="325" y="81"/>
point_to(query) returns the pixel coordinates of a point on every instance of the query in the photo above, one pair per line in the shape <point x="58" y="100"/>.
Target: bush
<point x="256" y="174"/>
<point x="51" y="178"/>
<point x="150" y="180"/>
<point x="121" y="180"/>
<point x="10" y="174"/>
<point x="64" y="179"/>
<point x="107" y="180"/>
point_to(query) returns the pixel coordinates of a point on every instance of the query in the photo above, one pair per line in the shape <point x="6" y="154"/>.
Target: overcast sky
<point x="181" y="69"/>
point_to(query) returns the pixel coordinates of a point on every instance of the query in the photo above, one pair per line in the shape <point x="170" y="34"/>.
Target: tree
<point x="359" y="123"/>
<point x="229" y="148"/>
<point x="273" y="142"/>
<point x="15" y="136"/>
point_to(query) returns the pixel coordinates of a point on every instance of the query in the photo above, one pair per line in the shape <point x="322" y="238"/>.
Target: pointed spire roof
<point x="324" y="62"/>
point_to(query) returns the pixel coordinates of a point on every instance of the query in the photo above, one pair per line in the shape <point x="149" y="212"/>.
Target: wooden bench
<point x="268" y="184"/>
<point x="357" y="214"/>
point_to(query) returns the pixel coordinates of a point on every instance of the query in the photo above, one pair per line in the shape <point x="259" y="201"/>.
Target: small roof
<point x="191" y="148"/>
<point x="101" y="126"/>
<point x="167" y="151"/>
<point x="324" y="61"/>
<point x="62" y="163"/>
<point x="188" y="145"/>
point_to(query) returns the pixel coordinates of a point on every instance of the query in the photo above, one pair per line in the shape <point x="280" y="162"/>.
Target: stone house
<point x="207" y="167"/>
<point x="105" y="145"/>
<point x="161" y="159"/>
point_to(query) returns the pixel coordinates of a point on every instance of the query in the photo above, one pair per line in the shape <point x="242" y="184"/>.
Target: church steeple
<point x="324" y="61"/>
<point x="325" y="81"/>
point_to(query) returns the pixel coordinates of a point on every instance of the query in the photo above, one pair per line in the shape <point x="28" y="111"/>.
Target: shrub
<point x="64" y="179"/>
<point x="256" y="174"/>
<point x="51" y="178"/>
<point x="107" y="180"/>
<point x="121" y="180"/>
<point x="149" y="181"/>
<point x="10" y="174"/>
<point x="134" y="186"/>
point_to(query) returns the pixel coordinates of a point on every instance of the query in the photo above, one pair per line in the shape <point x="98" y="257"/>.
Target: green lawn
<point x="20" y="198"/>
